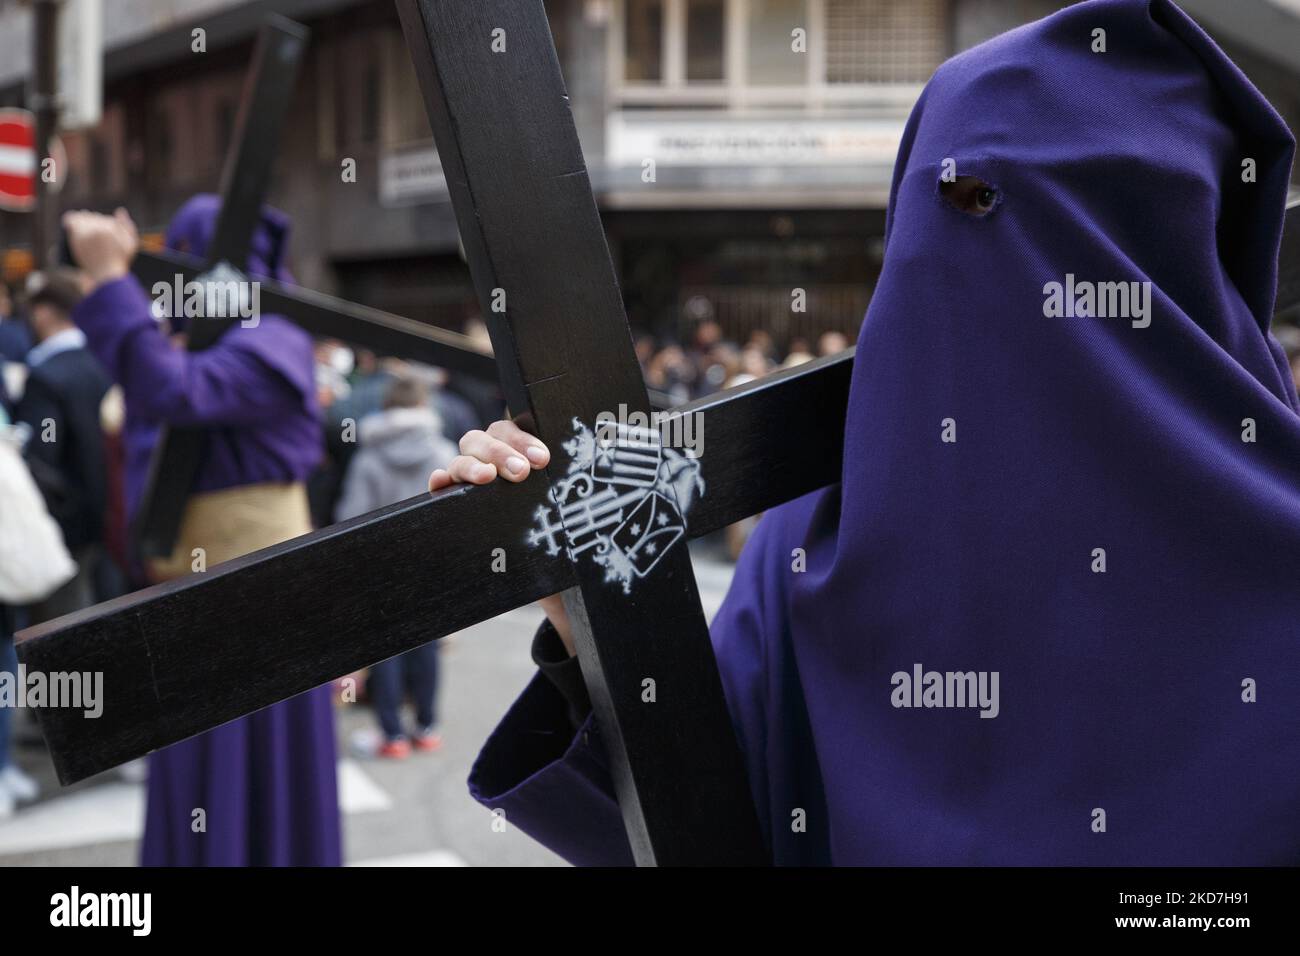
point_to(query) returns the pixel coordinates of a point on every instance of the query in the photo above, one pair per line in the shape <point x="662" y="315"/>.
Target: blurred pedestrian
<point x="761" y="339"/>
<point x="752" y="364"/>
<point x="832" y="343"/>
<point x="15" y="336"/>
<point x="398" y="447"/>
<point x="65" y="446"/>
<point x="369" y="383"/>
<point x="33" y="564"/>
<point x="672" y="373"/>
<point x="9" y="794"/>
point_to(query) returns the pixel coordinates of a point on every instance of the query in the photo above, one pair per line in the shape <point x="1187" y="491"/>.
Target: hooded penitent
<point x="266" y="783"/>
<point x="192" y="227"/>
<point x="256" y="375"/>
<point x="1094" y="504"/>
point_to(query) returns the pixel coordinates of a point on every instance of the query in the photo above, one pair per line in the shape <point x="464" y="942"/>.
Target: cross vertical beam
<point x="533" y="237"/>
<point x="247" y="174"/>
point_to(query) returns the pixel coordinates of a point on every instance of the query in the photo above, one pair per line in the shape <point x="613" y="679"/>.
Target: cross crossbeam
<point x="182" y="657"/>
<point x="324" y="316"/>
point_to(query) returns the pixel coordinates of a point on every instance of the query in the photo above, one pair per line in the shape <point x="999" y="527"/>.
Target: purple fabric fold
<point x="551" y="782"/>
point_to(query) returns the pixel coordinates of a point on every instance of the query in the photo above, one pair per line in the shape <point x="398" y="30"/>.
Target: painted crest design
<point x="623" y="501"/>
<point x="225" y="292"/>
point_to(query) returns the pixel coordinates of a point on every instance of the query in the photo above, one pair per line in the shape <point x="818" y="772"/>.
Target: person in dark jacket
<point x="65" y="448"/>
<point x="15" y="336"/>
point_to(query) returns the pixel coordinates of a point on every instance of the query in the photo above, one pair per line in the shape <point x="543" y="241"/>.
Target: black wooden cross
<point x="247" y="173"/>
<point x="320" y="315"/>
<point x="193" y="653"/>
<point x="245" y="179"/>
<point x="325" y="316"/>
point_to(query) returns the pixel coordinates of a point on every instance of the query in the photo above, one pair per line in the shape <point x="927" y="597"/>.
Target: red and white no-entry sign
<point x="18" y="160"/>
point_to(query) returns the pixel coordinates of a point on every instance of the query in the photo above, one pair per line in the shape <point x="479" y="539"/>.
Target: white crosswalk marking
<point x="114" y="812"/>
<point x="357" y="792"/>
<point x="106" y="813"/>
<point x="436" y="858"/>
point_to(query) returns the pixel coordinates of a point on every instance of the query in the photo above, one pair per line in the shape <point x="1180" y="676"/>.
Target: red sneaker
<point x="428" y="741"/>
<point x="398" y="749"/>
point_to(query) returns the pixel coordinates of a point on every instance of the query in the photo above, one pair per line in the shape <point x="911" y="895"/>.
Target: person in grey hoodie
<point x="398" y="447"/>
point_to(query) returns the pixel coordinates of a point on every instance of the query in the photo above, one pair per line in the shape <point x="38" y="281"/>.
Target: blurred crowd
<point x="708" y="361"/>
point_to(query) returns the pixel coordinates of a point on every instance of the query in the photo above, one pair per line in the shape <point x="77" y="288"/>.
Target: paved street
<point x="411" y="813"/>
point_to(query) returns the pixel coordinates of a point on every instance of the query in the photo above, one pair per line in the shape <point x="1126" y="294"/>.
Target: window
<point x="772" y="55"/>
<point x="745" y="53"/>
<point x="407" y="119"/>
<point x="884" y="41"/>
<point x="643" y="54"/>
<point x="358" y="89"/>
<point x="370" y="105"/>
<point x="705" y="40"/>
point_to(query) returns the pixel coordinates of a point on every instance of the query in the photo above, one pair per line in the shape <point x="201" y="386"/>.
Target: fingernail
<point x="516" y="466"/>
<point x="536" y="454"/>
<point x="483" y="471"/>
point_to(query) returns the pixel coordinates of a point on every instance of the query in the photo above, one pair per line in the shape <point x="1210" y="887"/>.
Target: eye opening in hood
<point x="970" y="195"/>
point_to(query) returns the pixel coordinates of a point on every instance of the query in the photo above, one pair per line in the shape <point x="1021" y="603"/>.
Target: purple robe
<point x="1146" y="706"/>
<point x="265" y="782"/>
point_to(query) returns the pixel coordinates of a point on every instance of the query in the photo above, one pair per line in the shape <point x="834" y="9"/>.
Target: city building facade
<point x="739" y="149"/>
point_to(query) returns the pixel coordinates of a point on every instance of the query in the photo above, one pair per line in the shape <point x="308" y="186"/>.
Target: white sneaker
<point x="7" y="802"/>
<point x="20" y="786"/>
